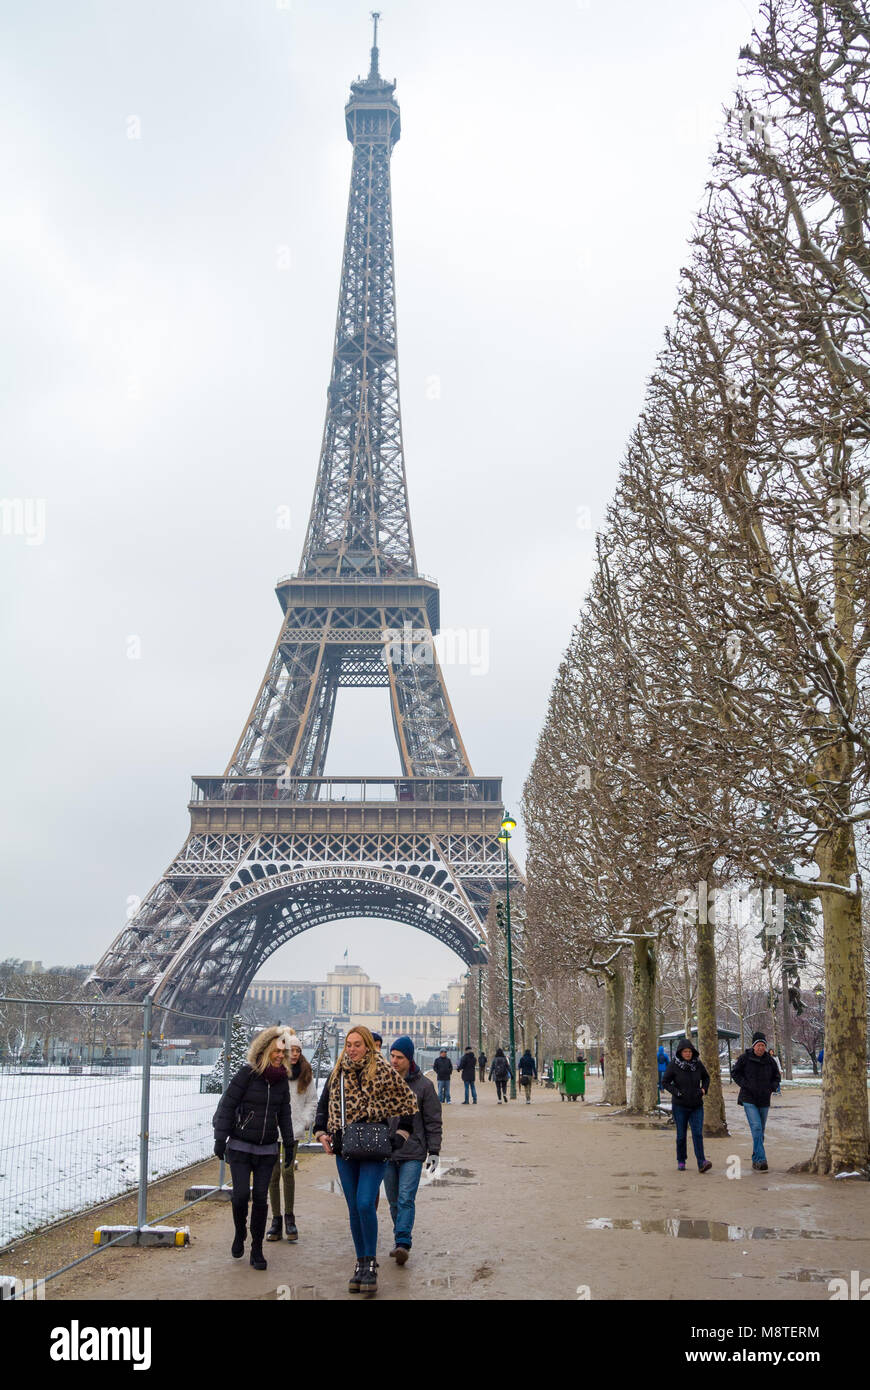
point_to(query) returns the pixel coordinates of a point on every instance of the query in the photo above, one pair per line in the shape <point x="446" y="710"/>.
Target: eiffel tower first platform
<point x="275" y="847"/>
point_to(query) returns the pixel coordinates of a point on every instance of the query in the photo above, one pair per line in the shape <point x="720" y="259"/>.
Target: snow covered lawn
<point x="69" y="1142"/>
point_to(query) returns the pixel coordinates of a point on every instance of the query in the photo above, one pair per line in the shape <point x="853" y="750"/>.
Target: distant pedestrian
<point x="303" y="1099"/>
<point x="662" y="1060"/>
<point x="821" y="1057"/>
<point x="363" y="1094"/>
<point x="403" y="1171"/>
<point x="468" y="1072"/>
<point x="500" y="1072"/>
<point x="757" y="1075"/>
<point x="601" y="1063"/>
<point x="481" y="1062"/>
<point x="251" y="1112"/>
<point x="378" y="1042"/>
<point x="443" y="1069"/>
<point x="688" y="1081"/>
<point x="527" y="1069"/>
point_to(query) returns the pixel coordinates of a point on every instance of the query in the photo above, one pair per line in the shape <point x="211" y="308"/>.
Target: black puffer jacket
<point x="443" y="1068"/>
<point x="468" y="1067"/>
<point x="254" y="1110"/>
<point x="757" y="1077"/>
<point x="688" y="1082"/>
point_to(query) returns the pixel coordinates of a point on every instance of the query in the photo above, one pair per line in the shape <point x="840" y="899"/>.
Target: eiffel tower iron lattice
<point x="275" y="847"/>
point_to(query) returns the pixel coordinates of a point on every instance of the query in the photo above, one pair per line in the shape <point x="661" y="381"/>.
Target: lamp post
<point x="507" y="825"/>
<point x="479" y="1010"/>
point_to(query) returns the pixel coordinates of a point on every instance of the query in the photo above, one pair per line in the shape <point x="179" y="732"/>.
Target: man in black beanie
<point x="757" y="1075"/>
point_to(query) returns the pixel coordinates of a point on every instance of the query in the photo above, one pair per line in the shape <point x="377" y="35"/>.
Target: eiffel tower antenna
<point x="275" y="846"/>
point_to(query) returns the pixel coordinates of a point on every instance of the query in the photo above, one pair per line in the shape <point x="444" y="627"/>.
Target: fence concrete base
<point x="142" y="1235"/>
<point x="211" y="1194"/>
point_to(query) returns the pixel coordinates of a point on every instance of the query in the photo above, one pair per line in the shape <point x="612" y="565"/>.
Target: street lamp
<point x="507" y="825"/>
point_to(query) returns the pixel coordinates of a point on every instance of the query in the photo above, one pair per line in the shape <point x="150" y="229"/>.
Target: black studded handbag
<point x="364" y="1138"/>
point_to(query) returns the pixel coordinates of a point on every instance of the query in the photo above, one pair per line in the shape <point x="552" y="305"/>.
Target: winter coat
<point x="468" y="1067"/>
<point x="442" y="1067"/>
<point x="500" y="1069"/>
<point x="757" y="1077"/>
<point x="481" y="1061"/>
<point x="662" y="1060"/>
<point x="426" y="1134"/>
<point x="254" y="1110"/>
<point x="689" y="1082"/>
<point x="321" y="1118"/>
<point x="304" y="1107"/>
<point x="527" y="1066"/>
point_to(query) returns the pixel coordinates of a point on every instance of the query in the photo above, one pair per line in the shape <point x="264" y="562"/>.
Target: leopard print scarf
<point x="368" y="1098"/>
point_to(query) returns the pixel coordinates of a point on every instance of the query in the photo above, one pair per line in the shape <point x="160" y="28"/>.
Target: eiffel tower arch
<point x="276" y="847"/>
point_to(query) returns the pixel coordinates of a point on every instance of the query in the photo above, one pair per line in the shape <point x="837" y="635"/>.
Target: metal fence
<point x="97" y="1100"/>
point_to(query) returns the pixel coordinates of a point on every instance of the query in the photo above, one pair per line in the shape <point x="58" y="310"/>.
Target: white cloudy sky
<point x="168" y="310"/>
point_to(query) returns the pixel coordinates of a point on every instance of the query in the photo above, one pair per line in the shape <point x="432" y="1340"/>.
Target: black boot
<point x="353" y="1281"/>
<point x="240" y="1215"/>
<point x="368" y="1279"/>
<point x="290" y="1226"/>
<point x="274" y="1231"/>
<point x="258" y="1230"/>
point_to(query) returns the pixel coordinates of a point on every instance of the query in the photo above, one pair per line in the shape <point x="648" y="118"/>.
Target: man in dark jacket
<point x="688" y="1081"/>
<point x="757" y="1075"/>
<point x="481" y="1062"/>
<point x="402" y="1173"/>
<point x="443" y="1068"/>
<point x="468" y="1072"/>
<point x="527" y="1069"/>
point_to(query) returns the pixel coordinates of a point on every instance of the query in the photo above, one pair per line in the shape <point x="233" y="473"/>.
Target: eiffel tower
<point x="275" y="847"/>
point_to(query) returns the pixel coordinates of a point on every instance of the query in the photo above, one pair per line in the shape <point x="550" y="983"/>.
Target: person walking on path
<point x="402" y="1173"/>
<point x="303" y="1092"/>
<point x="500" y="1072"/>
<point x="252" y="1111"/>
<point x="662" y="1062"/>
<point x="757" y="1075"/>
<point x="468" y="1072"/>
<point x="443" y="1068"/>
<point x="527" y="1068"/>
<point x="688" y="1081"/>
<point x="481" y="1062"/>
<point x="363" y="1089"/>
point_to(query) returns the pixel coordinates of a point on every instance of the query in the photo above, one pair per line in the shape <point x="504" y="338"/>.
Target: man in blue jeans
<point x="757" y="1075"/>
<point x="403" y="1171"/>
<point x="443" y="1069"/>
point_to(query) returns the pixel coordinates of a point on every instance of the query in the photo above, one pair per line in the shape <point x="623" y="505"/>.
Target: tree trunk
<point x="687" y="982"/>
<point x="786" y="1014"/>
<point x="843" y="1144"/>
<point x="614" y="1039"/>
<point x="708" y="1031"/>
<point x="644" y="1072"/>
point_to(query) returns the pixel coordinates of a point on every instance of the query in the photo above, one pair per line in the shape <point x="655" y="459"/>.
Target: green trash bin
<point x="558" y="1072"/>
<point x="573" y="1080"/>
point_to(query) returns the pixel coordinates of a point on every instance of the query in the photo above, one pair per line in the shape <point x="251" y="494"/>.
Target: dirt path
<point x="509" y="1218"/>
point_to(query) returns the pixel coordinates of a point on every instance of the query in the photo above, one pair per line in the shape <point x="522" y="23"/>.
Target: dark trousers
<point x="242" y="1168"/>
<point x="693" y="1119"/>
<point x="483" y="1071"/>
<point x="288" y="1175"/>
<point x="501" y="1088"/>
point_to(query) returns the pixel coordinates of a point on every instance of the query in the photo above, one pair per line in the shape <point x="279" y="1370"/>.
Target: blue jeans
<point x="694" y="1119"/>
<point x="473" y="1091"/>
<point x="757" y="1117"/>
<point x="360" y="1179"/>
<point x="401" y="1181"/>
<point x="444" y="1092"/>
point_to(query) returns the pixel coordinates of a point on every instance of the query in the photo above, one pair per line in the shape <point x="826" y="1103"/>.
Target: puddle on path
<point x="441" y="1281"/>
<point x="811" y="1276"/>
<point x="685" y="1229"/>
<point x="638" y="1187"/>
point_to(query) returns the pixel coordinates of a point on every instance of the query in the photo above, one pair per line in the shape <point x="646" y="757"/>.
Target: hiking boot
<point x="290" y="1226"/>
<point x="705" y="1166"/>
<point x="353" y="1281"/>
<point x="400" y="1254"/>
<point x="274" y="1231"/>
<point x="762" y="1167"/>
<point x="681" y="1167"/>
<point x="257" y="1260"/>
<point x="368" y="1278"/>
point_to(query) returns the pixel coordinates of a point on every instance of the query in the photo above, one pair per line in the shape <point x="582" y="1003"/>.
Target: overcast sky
<point x="174" y="191"/>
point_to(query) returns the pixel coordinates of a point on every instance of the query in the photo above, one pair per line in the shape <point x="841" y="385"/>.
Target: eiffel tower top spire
<point x="360" y="524"/>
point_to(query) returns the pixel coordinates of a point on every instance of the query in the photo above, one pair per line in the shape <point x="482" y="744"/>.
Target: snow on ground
<point x="70" y="1142"/>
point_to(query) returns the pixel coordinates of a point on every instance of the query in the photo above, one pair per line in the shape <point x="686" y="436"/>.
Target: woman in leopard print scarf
<point x="373" y="1091"/>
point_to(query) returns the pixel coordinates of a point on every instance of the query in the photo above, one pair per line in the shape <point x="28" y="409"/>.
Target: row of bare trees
<point x="709" y="722"/>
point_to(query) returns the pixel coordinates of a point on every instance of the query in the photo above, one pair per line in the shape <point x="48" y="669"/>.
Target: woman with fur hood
<point x="303" y="1093"/>
<point x="252" y="1111"/>
<point x="688" y="1081"/>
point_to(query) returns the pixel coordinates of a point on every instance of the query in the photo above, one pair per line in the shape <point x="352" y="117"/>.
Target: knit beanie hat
<point x="404" y="1044"/>
<point x="759" y="1037"/>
